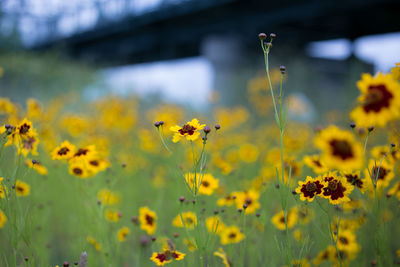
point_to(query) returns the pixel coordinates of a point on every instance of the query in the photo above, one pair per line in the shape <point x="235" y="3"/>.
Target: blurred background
<point x="200" y="54"/>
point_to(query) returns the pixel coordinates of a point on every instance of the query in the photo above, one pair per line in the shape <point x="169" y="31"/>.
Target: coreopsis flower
<point x="85" y="152"/>
<point x="339" y="148"/>
<point x="189" y="218"/>
<point x="278" y="220"/>
<point x="3" y="219"/>
<point x="147" y="220"/>
<point x="226" y="201"/>
<point x="29" y="144"/>
<point x="123" y="234"/>
<point x="394" y="191"/>
<point x="223" y="256"/>
<point x="310" y="188"/>
<point x="324" y="255"/>
<point x="3" y="188"/>
<point x="378" y="152"/>
<point x="379" y="101"/>
<point x="230" y="235"/>
<point x="94" y="243"/>
<point x="380" y="172"/>
<point x="111" y="216"/>
<point x="65" y="151"/>
<point x="316" y="164"/>
<point x="347" y="241"/>
<point x="336" y="188"/>
<point x="37" y="166"/>
<point x="22" y="189"/>
<point x="191" y="131"/>
<point x="354" y="178"/>
<point x="214" y="224"/>
<point x="21" y="131"/>
<point x="167" y="256"/>
<point x="95" y="165"/>
<point x="247" y="200"/>
<point x="205" y="184"/>
<point x="107" y="197"/>
<point x="78" y="168"/>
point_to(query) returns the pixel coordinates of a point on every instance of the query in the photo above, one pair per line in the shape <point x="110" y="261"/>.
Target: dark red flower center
<point x="28" y="143"/>
<point x="187" y="129"/>
<point x="161" y="257"/>
<point x="341" y="148"/>
<point x="354" y="180"/>
<point x="63" y="151"/>
<point x="311" y="188"/>
<point x="149" y="219"/>
<point x="24" y="128"/>
<point x="379" y="173"/>
<point x="94" y="163"/>
<point x="317" y="163"/>
<point x="205" y="184"/>
<point x="232" y="235"/>
<point x="20" y="189"/>
<point x="378" y="97"/>
<point x="77" y="171"/>
<point x="81" y="151"/>
<point x="343" y="240"/>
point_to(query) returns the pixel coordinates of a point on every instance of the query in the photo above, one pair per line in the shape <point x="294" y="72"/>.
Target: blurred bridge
<point x="176" y="29"/>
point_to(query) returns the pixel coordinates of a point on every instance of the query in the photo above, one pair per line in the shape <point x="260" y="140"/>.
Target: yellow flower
<point x="339" y="149"/>
<point x="324" y="255"/>
<point x="29" y="144"/>
<point x="94" y="243"/>
<point x="6" y="106"/>
<point x="107" y="197"/>
<point x="230" y="235"/>
<point x="354" y="178"/>
<point x="206" y="181"/>
<point x="189" y="218"/>
<point x="395" y="190"/>
<point x="34" y="109"/>
<point x="226" y="201"/>
<point x="248" y="153"/>
<point x="112" y="216"/>
<point x="39" y="168"/>
<point x="3" y="188"/>
<point x="278" y="220"/>
<point x="336" y="188"/>
<point x="123" y="234"/>
<point x="95" y="165"/>
<point x="347" y="241"/>
<point x="247" y="200"/>
<point x="3" y="219"/>
<point x="224" y="257"/>
<point x="147" y="220"/>
<point x="167" y="256"/>
<point x="379" y="100"/>
<point x="190" y="130"/>
<point x="214" y="224"/>
<point x="65" y="151"/>
<point x="378" y="152"/>
<point x="315" y="163"/>
<point x="78" y="168"/>
<point x="309" y="188"/>
<point x="22" y="189"/>
<point x="381" y="174"/>
<point x="24" y="130"/>
<point x="87" y="152"/>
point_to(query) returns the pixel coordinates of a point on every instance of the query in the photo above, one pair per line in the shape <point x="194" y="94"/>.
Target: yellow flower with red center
<point x="347" y="241"/>
<point x="22" y="189"/>
<point x="310" y="188"/>
<point x="162" y="258"/>
<point x="278" y="220"/>
<point x="3" y="188"/>
<point x="336" y="188"/>
<point x="231" y="235"/>
<point x="354" y="178"/>
<point x="37" y="166"/>
<point x="380" y="173"/>
<point x="123" y="234"/>
<point x="378" y="152"/>
<point x="147" y="220"/>
<point x="3" y="219"/>
<point x="339" y="148"/>
<point x="64" y="151"/>
<point x="379" y="101"/>
<point x="78" y="168"/>
<point x="247" y="200"/>
<point x="316" y="164"/>
<point x="189" y="218"/>
<point x="226" y="201"/>
<point x="205" y="183"/>
<point x="190" y="131"/>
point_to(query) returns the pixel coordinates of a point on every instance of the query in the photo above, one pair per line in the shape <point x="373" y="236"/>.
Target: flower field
<point x="114" y="183"/>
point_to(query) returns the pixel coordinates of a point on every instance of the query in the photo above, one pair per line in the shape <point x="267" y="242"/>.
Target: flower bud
<point x="262" y="36"/>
